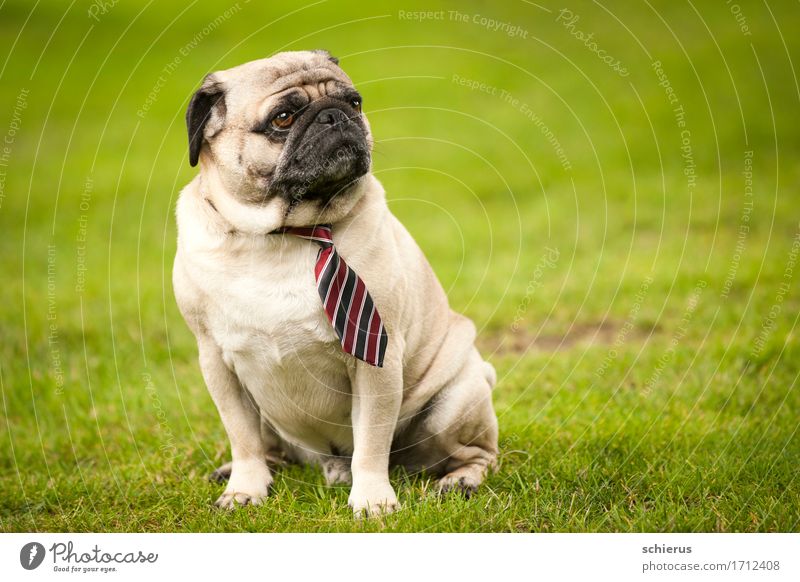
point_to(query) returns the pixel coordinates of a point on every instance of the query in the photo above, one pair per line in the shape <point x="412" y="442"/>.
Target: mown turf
<point x="639" y="305"/>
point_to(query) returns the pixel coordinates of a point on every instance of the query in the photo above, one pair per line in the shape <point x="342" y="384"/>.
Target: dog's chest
<point x="266" y="315"/>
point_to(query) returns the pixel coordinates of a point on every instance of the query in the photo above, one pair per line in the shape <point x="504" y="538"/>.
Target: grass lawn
<point x="624" y="232"/>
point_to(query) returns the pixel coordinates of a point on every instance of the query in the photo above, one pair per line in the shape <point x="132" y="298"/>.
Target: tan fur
<point x="269" y="356"/>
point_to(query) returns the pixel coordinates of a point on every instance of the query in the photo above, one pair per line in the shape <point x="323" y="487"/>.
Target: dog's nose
<point x="331" y="116"/>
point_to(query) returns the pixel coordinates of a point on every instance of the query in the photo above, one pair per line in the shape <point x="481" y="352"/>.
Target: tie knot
<point x="321" y="235"/>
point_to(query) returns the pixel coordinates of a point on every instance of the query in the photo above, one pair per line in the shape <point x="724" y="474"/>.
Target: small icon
<point x="31" y="555"/>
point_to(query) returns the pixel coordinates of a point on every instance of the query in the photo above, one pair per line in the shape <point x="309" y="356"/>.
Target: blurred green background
<point x="609" y="189"/>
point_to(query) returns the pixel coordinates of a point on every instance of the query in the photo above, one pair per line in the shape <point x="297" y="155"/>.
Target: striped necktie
<point x="345" y="299"/>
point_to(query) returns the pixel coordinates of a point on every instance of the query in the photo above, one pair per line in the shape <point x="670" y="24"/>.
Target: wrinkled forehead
<point x="253" y="84"/>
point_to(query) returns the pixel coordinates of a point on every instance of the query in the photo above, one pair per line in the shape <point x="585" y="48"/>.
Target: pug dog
<point x="306" y="362"/>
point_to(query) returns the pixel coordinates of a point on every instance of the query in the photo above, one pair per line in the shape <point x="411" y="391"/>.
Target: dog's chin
<point x="323" y="178"/>
<point x="324" y="210"/>
<point x="337" y="184"/>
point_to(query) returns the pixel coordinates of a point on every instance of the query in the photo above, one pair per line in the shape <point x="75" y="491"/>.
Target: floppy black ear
<point x="209" y="97"/>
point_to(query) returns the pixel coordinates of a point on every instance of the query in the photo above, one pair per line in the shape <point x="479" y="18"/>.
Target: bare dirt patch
<point x="523" y="340"/>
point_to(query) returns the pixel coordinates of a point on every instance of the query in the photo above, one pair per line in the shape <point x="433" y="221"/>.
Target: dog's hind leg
<point x="337" y="470"/>
<point x="222" y="473"/>
<point x="457" y="436"/>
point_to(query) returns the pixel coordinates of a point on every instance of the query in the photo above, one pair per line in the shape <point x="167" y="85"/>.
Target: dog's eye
<point x="356" y="104"/>
<point x="283" y="120"/>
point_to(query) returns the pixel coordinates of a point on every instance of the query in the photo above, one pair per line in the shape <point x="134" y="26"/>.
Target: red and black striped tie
<point x="345" y="299"/>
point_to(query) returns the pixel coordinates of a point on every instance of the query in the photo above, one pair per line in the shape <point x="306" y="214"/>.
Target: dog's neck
<point x="233" y="232"/>
<point x="227" y="215"/>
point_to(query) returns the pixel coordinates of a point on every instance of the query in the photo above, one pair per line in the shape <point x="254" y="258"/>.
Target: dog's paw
<point x="464" y="480"/>
<point x="337" y="471"/>
<point x="232" y="499"/>
<point x="221" y="474"/>
<point x="373" y="498"/>
<point x="249" y="484"/>
<point x="464" y="485"/>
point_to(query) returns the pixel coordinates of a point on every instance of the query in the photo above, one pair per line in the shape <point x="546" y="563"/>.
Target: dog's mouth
<point x="323" y="170"/>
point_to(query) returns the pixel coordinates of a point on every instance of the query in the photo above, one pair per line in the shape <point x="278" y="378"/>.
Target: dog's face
<point x="284" y="137"/>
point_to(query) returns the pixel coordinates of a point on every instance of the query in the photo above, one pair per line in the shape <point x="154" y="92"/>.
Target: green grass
<point x="647" y="382"/>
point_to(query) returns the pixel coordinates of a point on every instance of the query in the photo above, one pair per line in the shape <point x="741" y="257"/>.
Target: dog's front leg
<point x="250" y="477"/>
<point x="377" y="395"/>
